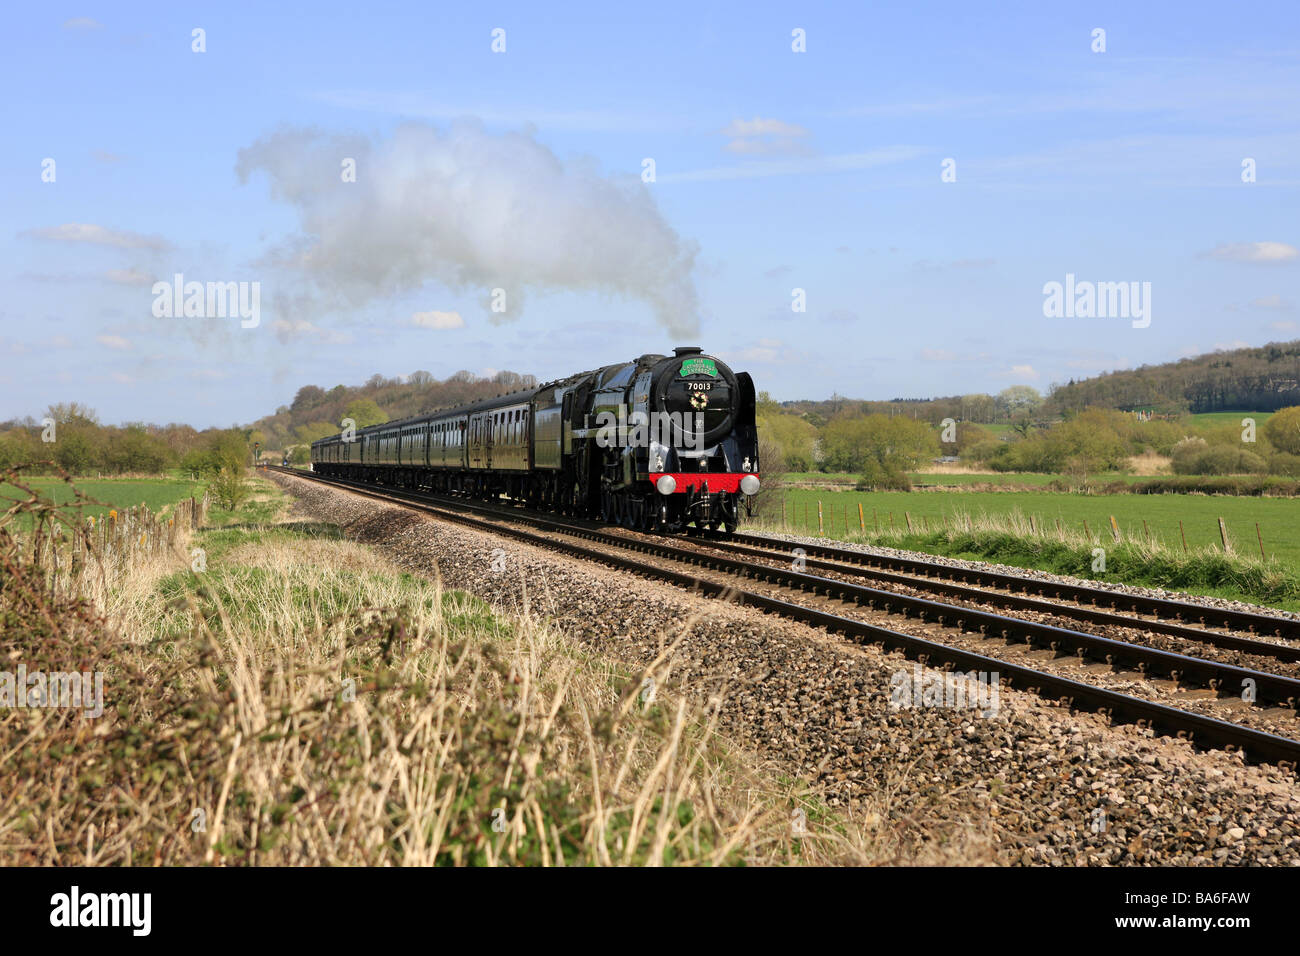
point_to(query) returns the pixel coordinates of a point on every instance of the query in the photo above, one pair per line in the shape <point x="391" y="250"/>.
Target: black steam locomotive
<point x="658" y="444"/>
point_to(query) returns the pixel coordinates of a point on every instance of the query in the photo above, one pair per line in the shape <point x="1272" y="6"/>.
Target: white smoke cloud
<point x="474" y="211"/>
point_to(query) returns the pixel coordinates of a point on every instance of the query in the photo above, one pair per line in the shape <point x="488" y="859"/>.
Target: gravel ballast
<point x="1033" y="783"/>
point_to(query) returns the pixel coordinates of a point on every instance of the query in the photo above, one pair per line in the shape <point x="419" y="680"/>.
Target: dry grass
<point x="952" y="468"/>
<point x="300" y="701"/>
<point x="1150" y="463"/>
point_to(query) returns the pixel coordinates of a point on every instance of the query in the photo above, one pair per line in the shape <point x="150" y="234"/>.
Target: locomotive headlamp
<point x="749" y="484"/>
<point x="667" y="484"/>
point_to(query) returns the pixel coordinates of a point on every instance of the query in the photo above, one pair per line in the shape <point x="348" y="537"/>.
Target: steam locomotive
<point x="657" y="444"/>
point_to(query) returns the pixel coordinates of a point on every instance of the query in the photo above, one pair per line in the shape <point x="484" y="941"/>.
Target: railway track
<point x="623" y="551"/>
<point x="955" y="590"/>
<point x="1163" y="614"/>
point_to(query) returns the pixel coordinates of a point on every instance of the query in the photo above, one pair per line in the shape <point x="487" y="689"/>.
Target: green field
<point x="1016" y="478"/>
<point x="1278" y="518"/>
<point x="156" y="493"/>
<point x="956" y="478"/>
<point x="1231" y="418"/>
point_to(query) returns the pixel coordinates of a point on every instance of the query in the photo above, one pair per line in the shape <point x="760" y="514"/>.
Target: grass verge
<point x="1012" y="539"/>
<point x="276" y="695"/>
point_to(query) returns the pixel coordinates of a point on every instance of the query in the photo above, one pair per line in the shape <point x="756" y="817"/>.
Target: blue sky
<point x="522" y="170"/>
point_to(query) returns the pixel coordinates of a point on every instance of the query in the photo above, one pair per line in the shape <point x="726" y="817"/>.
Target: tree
<point x="895" y="444"/>
<point x="794" y="438"/>
<point x="365" y="412"/>
<point x="309" y="396"/>
<point x="72" y="413"/>
<point x="314" y="432"/>
<point x="1283" y="430"/>
<point x="978" y="407"/>
<point x="967" y="436"/>
<point x="1018" y="400"/>
<point x="20" y="446"/>
<point x="75" y="448"/>
<point x="134" y="449"/>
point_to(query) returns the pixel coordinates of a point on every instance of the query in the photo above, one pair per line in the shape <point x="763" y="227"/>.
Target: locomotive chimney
<point x="687" y="350"/>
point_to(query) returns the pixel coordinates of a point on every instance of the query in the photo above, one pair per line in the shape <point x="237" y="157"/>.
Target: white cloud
<point x="1023" y="372"/>
<point x="1285" y="325"/>
<point x="97" y="235"/>
<point x="129" y="277"/>
<point x="438" y="320"/>
<point x="82" y="24"/>
<point x="1254" y="252"/>
<point x="764" y="136"/>
<point x="938" y="355"/>
<point x="286" y="330"/>
<point x="112" y="341"/>
<point x="470" y="210"/>
<point x="762" y="127"/>
<point x="762" y="352"/>
<point x="1274" y="302"/>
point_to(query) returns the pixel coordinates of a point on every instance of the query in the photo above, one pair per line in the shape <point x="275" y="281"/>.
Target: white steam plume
<point x="471" y="210"/>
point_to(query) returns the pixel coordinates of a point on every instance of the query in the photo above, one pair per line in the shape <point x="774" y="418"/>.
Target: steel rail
<point x="1168" y="608"/>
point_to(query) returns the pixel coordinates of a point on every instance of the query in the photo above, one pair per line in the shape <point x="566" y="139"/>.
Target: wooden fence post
<point x="1262" y="555"/>
<point x="862" y="521"/>
<point x="1114" y="527"/>
<point x="821" y="528"/>
<point x="1223" y="535"/>
<point x="1182" y="534"/>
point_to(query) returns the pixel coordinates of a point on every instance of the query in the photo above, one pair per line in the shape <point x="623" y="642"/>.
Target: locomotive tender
<point x="658" y="444"/>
